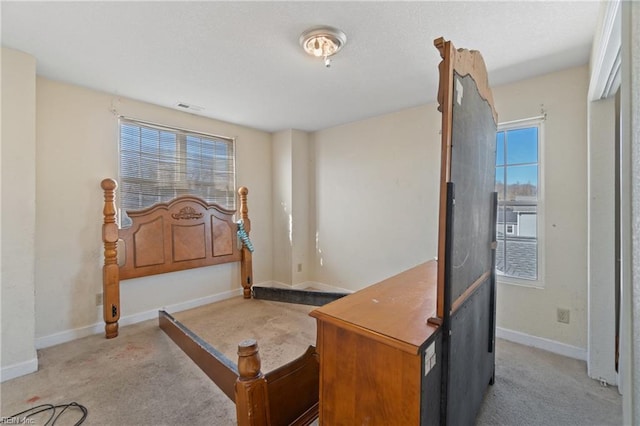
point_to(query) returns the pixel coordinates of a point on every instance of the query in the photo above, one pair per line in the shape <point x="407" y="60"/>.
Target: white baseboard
<point x="20" y="369"/>
<point x="321" y="286"/>
<point x="304" y="285"/>
<point x="68" y="335"/>
<point x="272" y="284"/>
<point x="542" y="343"/>
<point x="97" y="328"/>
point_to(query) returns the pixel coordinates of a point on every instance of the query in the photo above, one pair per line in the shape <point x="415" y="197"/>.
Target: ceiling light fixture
<point x="323" y="42"/>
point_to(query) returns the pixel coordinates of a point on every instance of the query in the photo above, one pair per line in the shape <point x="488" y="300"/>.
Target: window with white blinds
<point x="160" y="163"/>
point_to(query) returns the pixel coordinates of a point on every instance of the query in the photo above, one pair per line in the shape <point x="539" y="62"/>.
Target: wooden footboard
<point x="293" y="390"/>
<point x="287" y="395"/>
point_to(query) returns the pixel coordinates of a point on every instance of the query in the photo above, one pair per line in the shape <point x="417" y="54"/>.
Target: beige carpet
<point x="283" y="330"/>
<point x="534" y="387"/>
<point x="142" y="378"/>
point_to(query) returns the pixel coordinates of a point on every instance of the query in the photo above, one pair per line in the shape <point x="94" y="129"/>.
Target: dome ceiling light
<point x="323" y="42"/>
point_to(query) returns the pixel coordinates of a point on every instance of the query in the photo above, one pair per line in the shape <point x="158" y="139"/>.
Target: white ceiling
<point x="242" y="63"/>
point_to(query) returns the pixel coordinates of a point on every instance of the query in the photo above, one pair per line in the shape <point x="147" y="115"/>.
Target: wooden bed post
<point x="252" y="400"/>
<point x="246" y="264"/>
<point x="110" y="270"/>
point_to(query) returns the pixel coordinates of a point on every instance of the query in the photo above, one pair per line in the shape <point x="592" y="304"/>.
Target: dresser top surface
<point x="396" y="308"/>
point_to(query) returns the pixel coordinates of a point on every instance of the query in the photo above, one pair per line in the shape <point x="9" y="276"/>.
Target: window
<point x="160" y="163"/>
<point x="518" y="148"/>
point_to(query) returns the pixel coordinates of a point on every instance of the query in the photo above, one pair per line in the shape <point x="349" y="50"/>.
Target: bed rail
<point x="287" y="395"/>
<point x="214" y="364"/>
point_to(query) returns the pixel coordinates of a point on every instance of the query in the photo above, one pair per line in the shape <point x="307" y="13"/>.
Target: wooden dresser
<point x="379" y="358"/>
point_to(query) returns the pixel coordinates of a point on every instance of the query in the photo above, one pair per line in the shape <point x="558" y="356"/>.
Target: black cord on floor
<point x="23" y="415"/>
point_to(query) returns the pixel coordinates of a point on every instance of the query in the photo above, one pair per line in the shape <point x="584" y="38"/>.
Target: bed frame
<point x="287" y="395"/>
<point x="186" y="233"/>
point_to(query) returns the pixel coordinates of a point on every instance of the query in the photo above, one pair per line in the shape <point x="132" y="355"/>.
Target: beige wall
<point x="375" y="205"/>
<point x="300" y="190"/>
<point x="18" y="198"/>
<point x="282" y="206"/>
<point x="76" y="149"/>
<point x="532" y="310"/>
<point x="290" y="153"/>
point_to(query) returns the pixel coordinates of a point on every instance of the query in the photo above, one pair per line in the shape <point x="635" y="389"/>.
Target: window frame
<point x="181" y="134"/>
<point x="539" y="282"/>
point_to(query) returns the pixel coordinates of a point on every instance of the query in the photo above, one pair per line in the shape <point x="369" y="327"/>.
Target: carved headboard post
<point x="110" y="270"/>
<point x="246" y="265"/>
<point x="244" y="208"/>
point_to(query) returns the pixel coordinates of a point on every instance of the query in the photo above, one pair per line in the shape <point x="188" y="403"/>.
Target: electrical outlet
<point x="98" y="299"/>
<point x="563" y="315"/>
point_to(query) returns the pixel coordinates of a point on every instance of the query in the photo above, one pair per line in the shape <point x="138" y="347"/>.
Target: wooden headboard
<point x="185" y="233"/>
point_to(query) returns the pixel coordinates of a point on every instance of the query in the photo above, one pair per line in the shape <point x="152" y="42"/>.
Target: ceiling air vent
<point x="189" y="107"/>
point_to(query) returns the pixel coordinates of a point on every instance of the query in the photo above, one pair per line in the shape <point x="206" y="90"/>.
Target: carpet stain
<point x="33" y="399"/>
<point x="131" y="351"/>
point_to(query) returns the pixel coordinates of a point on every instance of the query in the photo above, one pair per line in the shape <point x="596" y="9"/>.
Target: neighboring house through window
<point x="159" y="163"/>
<point x="518" y="184"/>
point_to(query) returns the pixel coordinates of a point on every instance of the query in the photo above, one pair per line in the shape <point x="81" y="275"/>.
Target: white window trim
<point x="540" y="214"/>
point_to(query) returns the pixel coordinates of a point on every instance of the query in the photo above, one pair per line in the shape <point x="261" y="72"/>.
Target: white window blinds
<point x="159" y="163"/>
